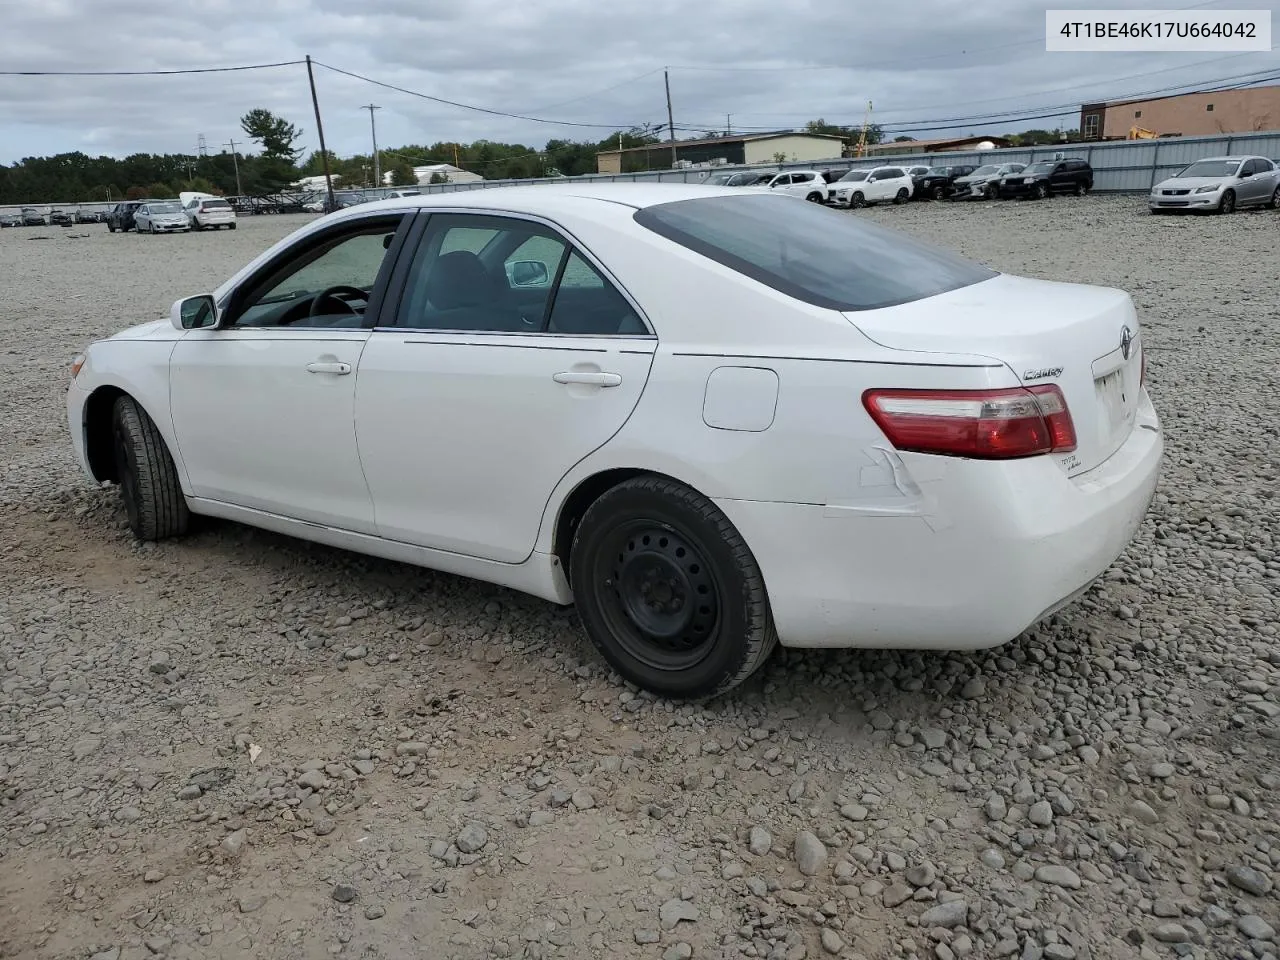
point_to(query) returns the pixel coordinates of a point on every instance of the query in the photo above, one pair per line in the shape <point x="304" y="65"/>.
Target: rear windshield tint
<point x="215" y="204"/>
<point x="817" y="255"/>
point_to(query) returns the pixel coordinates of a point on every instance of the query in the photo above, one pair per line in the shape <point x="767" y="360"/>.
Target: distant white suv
<point x="210" y="213"/>
<point x="807" y="184"/>
<point x="858" y="188"/>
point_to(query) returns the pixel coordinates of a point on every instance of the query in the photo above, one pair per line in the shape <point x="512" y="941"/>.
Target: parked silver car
<point x="984" y="182"/>
<point x="161" y="216"/>
<point x="1219" y="184"/>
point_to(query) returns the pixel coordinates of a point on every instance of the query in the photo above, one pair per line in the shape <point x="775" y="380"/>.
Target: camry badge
<point x="1041" y="373"/>
<point x="1126" y="342"/>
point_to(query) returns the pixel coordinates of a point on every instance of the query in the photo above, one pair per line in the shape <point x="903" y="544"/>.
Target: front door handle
<point x="320" y="366"/>
<point x="592" y="378"/>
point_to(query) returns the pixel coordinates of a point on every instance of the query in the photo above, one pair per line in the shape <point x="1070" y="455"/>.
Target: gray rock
<point x="1057" y="875"/>
<point x="559" y="797"/>
<point x="251" y="904"/>
<point x="412" y="748"/>
<point x="312" y="780"/>
<point x="1161" y="771"/>
<point x="355" y="653"/>
<point x="541" y="818"/>
<point x="1171" y="933"/>
<point x="993" y="858"/>
<point x="855" y="812"/>
<point x="582" y="800"/>
<point x="896" y="894"/>
<point x="921" y="875"/>
<point x="1249" y="880"/>
<point x="112" y="953"/>
<point x="933" y="738"/>
<point x="973" y="689"/>
<point x="810" y="853"/>
<point x="647" y="936"/>
<point x="831" y="941"/>
<point x="323" y="826"/>
<point x="160" y="663"/>
<point x="191" y="791"/>
<point x="472" y="838"/>
<point x="1255" y="928"/>
<point x="759" y="841"/>
<point x="1058" y="951"/>
<point x="1041" y="813"/>
<point x="1143" y="812"/>
<point x="996" y="809"/>
<point x="343" y="892"/>
<point x="948" y="915"/>
<point x="675" y="910"/>
<point x="233" y="843"/>
<point x="678" y="951"/>
<point x="374" y="911"/>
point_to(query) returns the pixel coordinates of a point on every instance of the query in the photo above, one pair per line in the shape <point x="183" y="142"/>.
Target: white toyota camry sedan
<point x="711" y="420"/>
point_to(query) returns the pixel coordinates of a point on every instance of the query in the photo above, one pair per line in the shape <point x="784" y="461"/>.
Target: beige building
<point x="752" y="149"/>
<point x="1187" y="115"/>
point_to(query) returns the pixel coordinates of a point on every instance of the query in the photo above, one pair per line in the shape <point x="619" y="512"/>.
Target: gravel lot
<point x="240" y="745"/>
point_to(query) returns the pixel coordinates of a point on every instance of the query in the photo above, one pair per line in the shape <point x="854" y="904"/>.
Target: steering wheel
<point x="331" y="293"/>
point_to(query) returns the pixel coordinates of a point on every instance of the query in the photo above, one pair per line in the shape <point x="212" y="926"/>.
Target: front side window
<point x="326" y="283"/>
<point x="811" y="253"/>
<point x="507" y="275"/>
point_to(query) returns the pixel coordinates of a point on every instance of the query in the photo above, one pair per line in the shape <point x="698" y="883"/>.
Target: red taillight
<point x="984" y="424"/>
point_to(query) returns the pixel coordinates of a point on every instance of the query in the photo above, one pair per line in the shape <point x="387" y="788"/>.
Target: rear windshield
<point x="810" y="252"/>
<point x="165" y="208"/>
<point x="215" y="204"/>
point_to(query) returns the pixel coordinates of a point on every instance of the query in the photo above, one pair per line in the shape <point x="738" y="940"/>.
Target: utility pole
<point x="728" y="127"/>
<point x="324" y="153"/>
<point x="671" y="124"/>
<point x="236" y="163"/>
<point x="373" y="129"/>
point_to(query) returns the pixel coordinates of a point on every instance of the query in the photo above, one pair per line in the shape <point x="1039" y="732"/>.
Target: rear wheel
<point x="902" y="196"/>
<point x="231" y="226"/>
<point x="1079" y="189"/>
<point x="1228" y="202"/>
<point x="1274" y="202"/>
<point x="148" y="479"/>
<point x="814" y="197"/>
<point x="668" y="591"/>
<point x="111" y="227"/>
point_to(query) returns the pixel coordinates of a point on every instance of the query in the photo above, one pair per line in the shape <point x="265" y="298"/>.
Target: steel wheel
<point x="660" y="596"/>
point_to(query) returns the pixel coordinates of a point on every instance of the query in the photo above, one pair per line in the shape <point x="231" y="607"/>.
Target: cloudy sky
<point x="926" y="65"/>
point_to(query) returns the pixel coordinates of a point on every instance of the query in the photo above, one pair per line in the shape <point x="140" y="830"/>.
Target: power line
<point x="146" y="73"/>
<point x="469" y="106"/>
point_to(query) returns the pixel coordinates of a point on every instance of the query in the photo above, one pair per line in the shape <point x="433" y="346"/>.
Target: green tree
<point x="439" y="177"/>
<point x="904" y="139"/>
<point x="402" y="175"/>
<point x="275" y="134"/>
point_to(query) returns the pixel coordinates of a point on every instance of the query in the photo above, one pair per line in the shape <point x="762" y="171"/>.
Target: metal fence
<point x="1125" y="166"/>
<point x="1128" y="166"/>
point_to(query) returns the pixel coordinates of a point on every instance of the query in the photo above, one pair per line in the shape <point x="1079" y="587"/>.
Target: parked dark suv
<point x="1048" y="177"/>
<point x="121" y="215"/>
<point x="937" y="181"/>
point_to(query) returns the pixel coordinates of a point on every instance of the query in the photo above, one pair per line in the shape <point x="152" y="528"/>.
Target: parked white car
<point x="1219" y="184"/>
<point x="807" y="184"/>
<point x="711" y="418"/>
<point x="860" y="188"/>
<point x="210" y="213"/>
<point x="161" y="216"/>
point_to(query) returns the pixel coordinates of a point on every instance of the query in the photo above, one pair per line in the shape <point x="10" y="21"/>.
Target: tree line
<point x="77" y="177"/>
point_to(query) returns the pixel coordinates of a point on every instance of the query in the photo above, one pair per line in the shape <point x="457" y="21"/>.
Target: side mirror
<point x="527" y="273"/>
<point x="194" y="313"/>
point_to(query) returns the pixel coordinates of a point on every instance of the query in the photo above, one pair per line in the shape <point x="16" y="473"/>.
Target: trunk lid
<point x="1072" y="335"/>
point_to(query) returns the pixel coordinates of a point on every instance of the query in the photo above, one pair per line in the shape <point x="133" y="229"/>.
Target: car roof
<point x="549" y="199"/>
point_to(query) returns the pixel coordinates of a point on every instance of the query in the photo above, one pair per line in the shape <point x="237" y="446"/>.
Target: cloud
<point x="764" y="64"/>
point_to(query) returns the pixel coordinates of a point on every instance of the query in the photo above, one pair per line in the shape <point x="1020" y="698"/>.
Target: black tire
<point x="148" y="479"/>
<point x="1228" y="202"/>
<point x="231" y="226"/>
<point x="857" y="200"/>
<point x="1079" y="189"/>
<point x="111" y="228"/>
<point x="1041" y="191"/>
<point x="902" y="196"/>
<point x="814" y="197"/>
<point x="993" y="192"/>
<point x="641" y="552"/>
<point x="1274" y="202"/>
<point x="939" y="192"/>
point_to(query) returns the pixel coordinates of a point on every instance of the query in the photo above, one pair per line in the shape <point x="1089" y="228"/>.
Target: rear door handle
<point x="320" y="366"/>
<point x="591" y="377"/>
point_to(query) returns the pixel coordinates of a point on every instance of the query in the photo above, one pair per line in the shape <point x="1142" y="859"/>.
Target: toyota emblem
<point x="1126" y="342"/>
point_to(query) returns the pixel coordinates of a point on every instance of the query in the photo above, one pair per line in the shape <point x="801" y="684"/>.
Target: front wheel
<point x="149" y="485"/>
<point x="939" y="192"/>
<point x="111" y="228"/>
<point x="153" y="229"/>
<point x="231" y="226"/>
<point x="668" y="591"/>
<point x="857" y="200"/>
<point x="1228" y="202"/>
<point x="902" y="196"/>
<point x="1042" y="191"/>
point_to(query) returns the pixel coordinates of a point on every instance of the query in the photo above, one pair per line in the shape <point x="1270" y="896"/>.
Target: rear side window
<point x="813" y="254"/>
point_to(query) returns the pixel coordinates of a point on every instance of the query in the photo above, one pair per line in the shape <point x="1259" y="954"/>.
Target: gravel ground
<point x="241" y="745"/>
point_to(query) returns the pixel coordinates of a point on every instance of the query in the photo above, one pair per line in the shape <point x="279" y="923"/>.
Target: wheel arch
<point x="586" y="492"/>
<point x="98" y="410"/>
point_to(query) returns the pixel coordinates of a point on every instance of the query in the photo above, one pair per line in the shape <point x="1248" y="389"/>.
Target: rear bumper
<point x="984" y="551"/>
